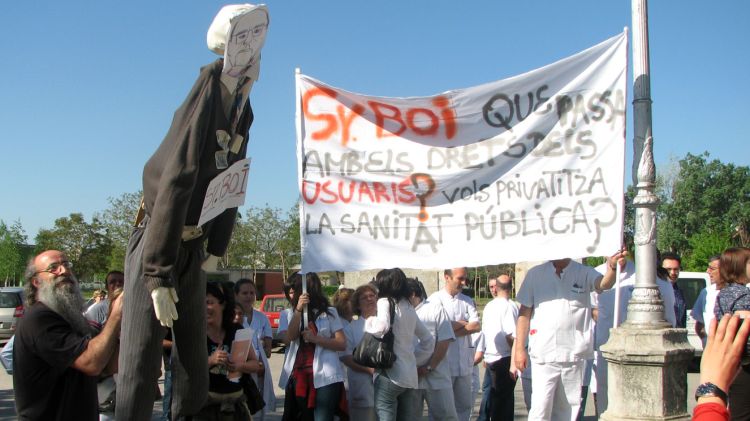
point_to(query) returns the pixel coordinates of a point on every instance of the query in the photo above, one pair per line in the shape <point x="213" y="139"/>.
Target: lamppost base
<point x="647" y="373"/>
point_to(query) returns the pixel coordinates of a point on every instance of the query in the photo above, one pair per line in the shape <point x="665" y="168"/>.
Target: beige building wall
<point x="431" y="279"/>
<point x="520" y="275"/>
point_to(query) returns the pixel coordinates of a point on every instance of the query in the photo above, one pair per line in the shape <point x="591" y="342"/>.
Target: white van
<point x="691" y="284"/>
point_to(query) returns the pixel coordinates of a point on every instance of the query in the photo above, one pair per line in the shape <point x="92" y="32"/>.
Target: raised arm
<point x="100" y="349"/>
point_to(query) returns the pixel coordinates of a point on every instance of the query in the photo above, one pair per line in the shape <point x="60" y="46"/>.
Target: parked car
<point x="691" y="284"/>
<point x="11" y="309"/>
<point x="272" y="306"/>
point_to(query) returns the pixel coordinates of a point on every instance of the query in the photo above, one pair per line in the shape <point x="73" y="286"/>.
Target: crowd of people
<point x="65" y="360"/>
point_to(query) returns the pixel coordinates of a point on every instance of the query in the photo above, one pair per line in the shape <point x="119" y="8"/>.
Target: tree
<point x="708" y="198"/>
<point x="87" y="245"/>
<point x="13" y="253"/>
<point x="117" y="221"/>
<point x="289" y="246"/>
<point x="628" y="230"/>
<point x="265" y="239"/>
<point x="703" y="245"/>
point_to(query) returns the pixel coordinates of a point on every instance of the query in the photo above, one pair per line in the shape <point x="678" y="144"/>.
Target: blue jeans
<point x="484" y="407"/>
<point x="326" y="401"/>
<point x="395" y="403"/>
<point x="166" y="401"/>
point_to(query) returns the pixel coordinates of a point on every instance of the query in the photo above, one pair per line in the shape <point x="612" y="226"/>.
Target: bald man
<point x="56" y="361"/>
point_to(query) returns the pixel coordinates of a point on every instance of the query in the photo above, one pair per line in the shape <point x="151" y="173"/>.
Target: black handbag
<point x="377" y="352"/>
<point x="255" y="400"/>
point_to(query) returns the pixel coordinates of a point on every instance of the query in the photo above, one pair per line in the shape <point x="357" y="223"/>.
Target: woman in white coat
<point x="361" y="388"/>
<point x="247" y="293"/>
<point x="312" y="376"/>
<point x="396" y="393"/>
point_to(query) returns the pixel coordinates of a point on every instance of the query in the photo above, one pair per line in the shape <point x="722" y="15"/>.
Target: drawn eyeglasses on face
<point x="245" y="35"/>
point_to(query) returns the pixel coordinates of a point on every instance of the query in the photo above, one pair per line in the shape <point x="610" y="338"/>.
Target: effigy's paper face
<point x="247" y="34"/>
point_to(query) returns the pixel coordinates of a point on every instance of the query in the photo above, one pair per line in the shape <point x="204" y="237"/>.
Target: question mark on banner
<point x="426" y="178"/>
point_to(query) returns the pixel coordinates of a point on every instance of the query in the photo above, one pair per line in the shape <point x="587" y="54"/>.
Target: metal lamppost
<point x="647" y="358"/>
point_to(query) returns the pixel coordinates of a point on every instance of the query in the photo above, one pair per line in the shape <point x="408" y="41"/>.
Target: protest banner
<point x="526" y="168"/>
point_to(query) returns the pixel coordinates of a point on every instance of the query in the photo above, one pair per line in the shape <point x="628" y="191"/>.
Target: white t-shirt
<point x="606" y="302"/>
<point x="436" y="321"/>
<point x="261" y="329"/>
<point x="703" y="309"/>
<point x="498" y="321"/>
<point x="406" y="326"/>
<point x="460" y="354"/>
<point x="98" y="312"/>
<point x="361" y="392"/>
<point x="561" y="312"/>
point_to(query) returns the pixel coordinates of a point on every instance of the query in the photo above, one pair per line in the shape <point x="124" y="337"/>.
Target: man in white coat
<point x="435" y="376"/>
<point x="555" y="296"/>
<point x="464" y="319"/>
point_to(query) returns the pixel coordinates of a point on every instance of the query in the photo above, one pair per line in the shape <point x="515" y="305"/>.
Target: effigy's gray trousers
<point x="142" y="334"/>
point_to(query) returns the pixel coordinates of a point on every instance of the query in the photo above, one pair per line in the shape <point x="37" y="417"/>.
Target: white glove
<point x="164" y="305"/>
<point x="210" y="264"/>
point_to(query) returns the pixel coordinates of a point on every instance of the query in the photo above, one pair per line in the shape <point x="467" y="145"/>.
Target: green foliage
<point x="13" y="253"/>
<point x="478" y="277"/>
<point x="117" y="221"/>
<point x="86" y="244"/>
<point x="265" y="238"/>
<point x="594" y="261"/>
<point x="702" y="246"/>
<point x="706" y="197"/>
<point x="329" y="290"/>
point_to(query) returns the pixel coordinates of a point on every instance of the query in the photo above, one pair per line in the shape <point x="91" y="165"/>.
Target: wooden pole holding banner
<point x="304" y="291"/>
<point x="297" y="72"/>
<point x="618" y="272"/>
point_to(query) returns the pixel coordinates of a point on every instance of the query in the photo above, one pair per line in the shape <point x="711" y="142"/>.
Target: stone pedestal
<point x="647" y="373"/>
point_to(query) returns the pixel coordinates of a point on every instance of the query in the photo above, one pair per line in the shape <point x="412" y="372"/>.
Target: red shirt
<point x="710" y="411"/>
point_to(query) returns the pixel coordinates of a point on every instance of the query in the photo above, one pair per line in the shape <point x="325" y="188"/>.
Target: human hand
<point x="422" y="371"/>
<point x="521" y="360"/>
<point x="218" y="357"/>
<point x="115" y="312"/>
<point x="721" y="358"/>
<point x="303" y="300"/>
<point x="210" y="264"/>
<point x="617" y="259"/>
<point x="309" y="336"/>
<point x="164" y="300"/>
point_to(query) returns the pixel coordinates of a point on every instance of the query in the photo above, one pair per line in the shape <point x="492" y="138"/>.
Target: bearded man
<point x="55" y="359"/>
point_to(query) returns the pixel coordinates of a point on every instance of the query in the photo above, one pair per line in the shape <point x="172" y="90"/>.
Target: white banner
<point x="526" y="168"/>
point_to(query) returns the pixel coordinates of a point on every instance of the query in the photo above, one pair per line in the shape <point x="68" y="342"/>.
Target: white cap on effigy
<point x="216" y="38"/>
<point x="221" y="27"/>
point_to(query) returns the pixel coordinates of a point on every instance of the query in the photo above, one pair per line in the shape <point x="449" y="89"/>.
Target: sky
<point x="88" y="88"/>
